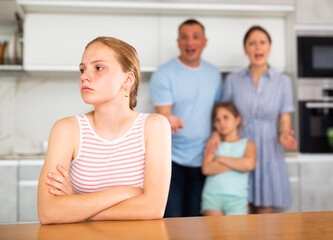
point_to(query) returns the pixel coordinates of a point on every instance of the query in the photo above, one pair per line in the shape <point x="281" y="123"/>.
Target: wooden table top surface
<point x="302" y="226"/>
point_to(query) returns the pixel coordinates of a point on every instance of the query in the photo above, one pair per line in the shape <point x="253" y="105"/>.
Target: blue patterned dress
<point x="260" y="108"/>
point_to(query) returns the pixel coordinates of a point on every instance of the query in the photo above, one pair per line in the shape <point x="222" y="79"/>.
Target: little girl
<point x="226" y="187"/>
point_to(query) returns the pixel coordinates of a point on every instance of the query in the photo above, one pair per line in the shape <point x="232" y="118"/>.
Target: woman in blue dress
<point x="264" y="98"/>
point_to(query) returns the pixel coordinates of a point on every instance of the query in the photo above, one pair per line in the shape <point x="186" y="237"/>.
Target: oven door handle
<point x="319" y="105"/>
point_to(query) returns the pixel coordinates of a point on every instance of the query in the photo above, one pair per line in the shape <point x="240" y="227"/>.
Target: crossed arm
<point x="213" y="164"/>
<point x="57" y="202"/>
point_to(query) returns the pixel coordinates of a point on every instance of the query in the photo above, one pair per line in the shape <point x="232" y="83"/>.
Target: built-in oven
<point x="315" y="91"/>
<point x="316" y="116"/>
<point x="315" y="56"/>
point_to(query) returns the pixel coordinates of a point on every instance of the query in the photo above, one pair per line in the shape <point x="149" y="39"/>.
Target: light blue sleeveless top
<point x="233" y="183"/>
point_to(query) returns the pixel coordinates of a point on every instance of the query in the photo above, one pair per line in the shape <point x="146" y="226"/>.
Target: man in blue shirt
<point x="185" y="90"/>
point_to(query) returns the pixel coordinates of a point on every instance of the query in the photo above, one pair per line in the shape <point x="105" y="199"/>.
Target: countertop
<point x="21" y="156"/>
<point x="290" y="157"/>
<point x="307" y="225"/>
<point x="42" y="156"/>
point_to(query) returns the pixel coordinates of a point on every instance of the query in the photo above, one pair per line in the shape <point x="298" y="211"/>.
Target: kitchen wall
<point x="30" y="105"/>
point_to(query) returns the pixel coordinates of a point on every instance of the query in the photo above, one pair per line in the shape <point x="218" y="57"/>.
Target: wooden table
<point x="300" y="226"/>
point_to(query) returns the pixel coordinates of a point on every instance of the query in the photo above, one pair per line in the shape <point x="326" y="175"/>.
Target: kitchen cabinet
<point x="8" y="190"/>
<point x="19" y="180"/>
<point x="311" y="182"/>
<point x="28" y="172"/>
<point x="57" y="41"/>
<point x="55" y="35"/>
<point x="294" y="180"/>
<point x="316" y="182"/>
<point x="64" y="37"/>
<point x="225" y="40"/>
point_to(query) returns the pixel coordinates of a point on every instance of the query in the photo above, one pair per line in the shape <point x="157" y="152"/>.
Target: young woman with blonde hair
<point x="112" y="163"/>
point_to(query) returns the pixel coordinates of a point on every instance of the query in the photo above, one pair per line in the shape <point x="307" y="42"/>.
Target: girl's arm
<point x="151" y="204"/>
<point x="285" y="133"/>
<point x="244" y="164"/>
<point x="63" y="142"/>
<point x="212" y="167"/>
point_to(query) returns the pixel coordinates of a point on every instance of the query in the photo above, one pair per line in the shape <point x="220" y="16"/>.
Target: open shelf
<point x="11" y="68"/>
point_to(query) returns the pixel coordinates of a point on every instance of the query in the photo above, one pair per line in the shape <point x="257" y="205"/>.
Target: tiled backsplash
<point x="30" y="105"/>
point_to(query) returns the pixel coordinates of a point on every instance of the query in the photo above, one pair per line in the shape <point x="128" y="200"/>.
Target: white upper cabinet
<point x="56" y="32"/>
<point x="57" y="41"/>
<point x="225" y="40"/>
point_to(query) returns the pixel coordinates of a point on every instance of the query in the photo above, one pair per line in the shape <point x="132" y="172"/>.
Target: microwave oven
<point x="315" y="56"/>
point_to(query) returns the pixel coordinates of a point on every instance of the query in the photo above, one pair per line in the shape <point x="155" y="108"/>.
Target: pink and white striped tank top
<point x="101" y="164"/>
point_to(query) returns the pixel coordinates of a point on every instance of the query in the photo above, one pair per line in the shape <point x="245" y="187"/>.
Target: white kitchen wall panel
<point x="143" y="100"/>
<point x="225" y="40"/>
<point x="40" y="103"/>
<point x="57" y="41"/>
<point x="316" y="12"/>
<point x="7" y="114"/>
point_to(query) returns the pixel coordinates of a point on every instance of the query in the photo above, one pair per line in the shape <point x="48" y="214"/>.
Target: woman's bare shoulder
<point x="155" y="120"/>
<point x="64" y="138"/>
<point x="65" y="125"/>
<point x="66" y="122"/>
<point x="157" y="125"/>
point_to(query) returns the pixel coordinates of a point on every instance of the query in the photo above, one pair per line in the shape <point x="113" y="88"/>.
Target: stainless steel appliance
<point x="316" y="115"/>
<point x="315" y="91"/>
<point x="315" y="56"/>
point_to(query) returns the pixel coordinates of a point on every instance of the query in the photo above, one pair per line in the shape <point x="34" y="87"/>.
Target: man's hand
<point x="175" y="122"/>
<point x="212" y="144"/>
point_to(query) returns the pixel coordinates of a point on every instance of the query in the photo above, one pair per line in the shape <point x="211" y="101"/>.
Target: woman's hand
<point x="212" y="144"/>
<point x="60" y="183"/>
<point x="287" y="140"/>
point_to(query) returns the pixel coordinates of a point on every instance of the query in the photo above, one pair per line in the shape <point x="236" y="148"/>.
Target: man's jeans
<point x="185" y="191"/>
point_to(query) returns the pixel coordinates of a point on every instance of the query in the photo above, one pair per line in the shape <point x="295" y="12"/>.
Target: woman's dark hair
<point x="256" y="28"/>
<point x="230" y="107"/>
